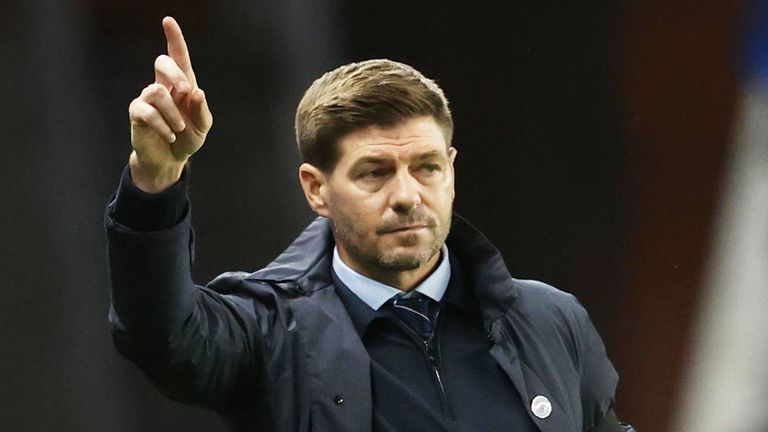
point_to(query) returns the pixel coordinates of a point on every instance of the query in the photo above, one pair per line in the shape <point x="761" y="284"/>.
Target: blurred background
<point x="617" y="150"/>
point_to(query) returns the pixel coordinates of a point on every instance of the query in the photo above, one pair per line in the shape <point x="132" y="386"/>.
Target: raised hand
<point x="170" y="119"/>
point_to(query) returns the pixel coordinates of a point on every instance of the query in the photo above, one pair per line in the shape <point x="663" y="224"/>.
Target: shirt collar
<point x="375" y="293"/>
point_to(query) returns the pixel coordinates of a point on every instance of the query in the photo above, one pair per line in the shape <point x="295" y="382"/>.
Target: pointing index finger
<point x="177" y="48"/>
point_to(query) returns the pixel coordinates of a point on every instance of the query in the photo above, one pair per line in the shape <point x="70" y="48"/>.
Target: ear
<point x="313" y="183"/>
<point x="452" y="152"/>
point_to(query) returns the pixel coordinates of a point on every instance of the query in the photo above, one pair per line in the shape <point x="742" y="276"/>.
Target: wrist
<point x="154" y="178"/>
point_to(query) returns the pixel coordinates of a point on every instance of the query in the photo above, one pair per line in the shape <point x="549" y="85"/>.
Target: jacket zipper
<point x="436" y="374"/>
<point x="432" y="354"/>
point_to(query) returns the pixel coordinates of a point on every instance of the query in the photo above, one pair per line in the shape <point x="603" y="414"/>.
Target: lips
<point x="411" y="228"/>
<point x="406" y="228"/>
<point x="413" y="223"/>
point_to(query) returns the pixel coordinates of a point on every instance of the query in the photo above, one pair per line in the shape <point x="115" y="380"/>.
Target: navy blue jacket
<point x="275" y="350"/>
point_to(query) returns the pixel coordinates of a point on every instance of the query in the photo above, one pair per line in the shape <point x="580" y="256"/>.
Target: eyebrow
<point x="374" y="159"/>
<point x="432" y="154"/>
<point x="371" y="160"/>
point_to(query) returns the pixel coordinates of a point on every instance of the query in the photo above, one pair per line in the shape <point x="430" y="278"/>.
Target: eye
<point x="430" y="168"/>
<point x="374" y="173"/>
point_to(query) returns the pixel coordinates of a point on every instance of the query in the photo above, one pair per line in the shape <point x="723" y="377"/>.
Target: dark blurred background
<point x="595" y="141"/>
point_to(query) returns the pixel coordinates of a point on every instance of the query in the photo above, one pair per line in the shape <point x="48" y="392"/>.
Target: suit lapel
<point x="338" y="366"/>
<point x="527" y="382"/>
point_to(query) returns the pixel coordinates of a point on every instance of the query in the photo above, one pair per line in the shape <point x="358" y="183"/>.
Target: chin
<point x="401" y="261"/>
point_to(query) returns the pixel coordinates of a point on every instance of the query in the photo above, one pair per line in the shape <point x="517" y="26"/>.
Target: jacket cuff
<point x="143" y="211"/>
<point x="610" y="423"/>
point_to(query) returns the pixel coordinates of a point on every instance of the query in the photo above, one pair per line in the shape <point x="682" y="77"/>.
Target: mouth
<point x="405" y="229"/>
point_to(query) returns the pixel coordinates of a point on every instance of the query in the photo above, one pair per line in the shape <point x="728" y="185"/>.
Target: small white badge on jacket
<point x="541" y="407"/>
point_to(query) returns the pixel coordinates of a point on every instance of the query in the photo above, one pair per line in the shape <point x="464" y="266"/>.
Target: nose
<point x="405" y="194"/>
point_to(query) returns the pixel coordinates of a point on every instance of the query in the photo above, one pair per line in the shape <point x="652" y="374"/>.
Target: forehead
<point x="410" y="138"/>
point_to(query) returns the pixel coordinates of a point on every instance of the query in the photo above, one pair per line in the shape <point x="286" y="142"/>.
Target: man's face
<point x="390" y="196"/>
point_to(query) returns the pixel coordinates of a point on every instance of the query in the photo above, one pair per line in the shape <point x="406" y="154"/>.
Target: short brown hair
<point x="372" y="92"/>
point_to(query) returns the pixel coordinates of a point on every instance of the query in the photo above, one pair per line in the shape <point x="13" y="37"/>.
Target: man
<point x="388" y="313"/>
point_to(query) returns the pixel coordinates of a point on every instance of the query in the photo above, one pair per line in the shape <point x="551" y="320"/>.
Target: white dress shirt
<point x="375" y="293"/>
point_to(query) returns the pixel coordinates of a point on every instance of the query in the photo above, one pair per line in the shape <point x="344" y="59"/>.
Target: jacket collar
<point x="307" y="262"/>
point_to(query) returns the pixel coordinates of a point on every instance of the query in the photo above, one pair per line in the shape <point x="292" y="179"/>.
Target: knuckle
<point x="141" y="114"/>
<point x="160" y="60"/>
<point x="134" y="109"/>
<point x="155" y="91"/>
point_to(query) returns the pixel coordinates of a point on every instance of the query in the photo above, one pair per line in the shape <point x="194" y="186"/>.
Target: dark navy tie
<point x="415" y="310"/>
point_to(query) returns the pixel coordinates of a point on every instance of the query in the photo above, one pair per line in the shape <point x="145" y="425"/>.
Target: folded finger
<point x="159" y="97"/>
<point x="169" y="74"/>
<point x="143" y="114"/>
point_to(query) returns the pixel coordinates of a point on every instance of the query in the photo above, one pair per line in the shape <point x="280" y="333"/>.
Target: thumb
<point x="199" y="113"/>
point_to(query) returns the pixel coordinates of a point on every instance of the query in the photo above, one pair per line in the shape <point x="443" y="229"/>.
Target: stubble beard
<point x="354" y="238"/>
<point x="394" y="261"/>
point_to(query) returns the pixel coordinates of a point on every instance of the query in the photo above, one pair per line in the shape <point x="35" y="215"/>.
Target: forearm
<point x="150" y="252"/>
<point x="194" y="343"/>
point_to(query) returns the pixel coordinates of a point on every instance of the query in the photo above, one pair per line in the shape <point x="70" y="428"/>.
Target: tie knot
<point x="413" y="299"/>
<point x="415" y="311"/>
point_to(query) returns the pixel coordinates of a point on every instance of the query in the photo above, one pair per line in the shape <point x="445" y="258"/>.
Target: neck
<point x="404" y="280"/>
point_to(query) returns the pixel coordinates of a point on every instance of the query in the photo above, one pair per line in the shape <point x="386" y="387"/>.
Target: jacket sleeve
<point x="610" y="423"/>
<point x="196" y="345"/>
<point x="599" y="380"/>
